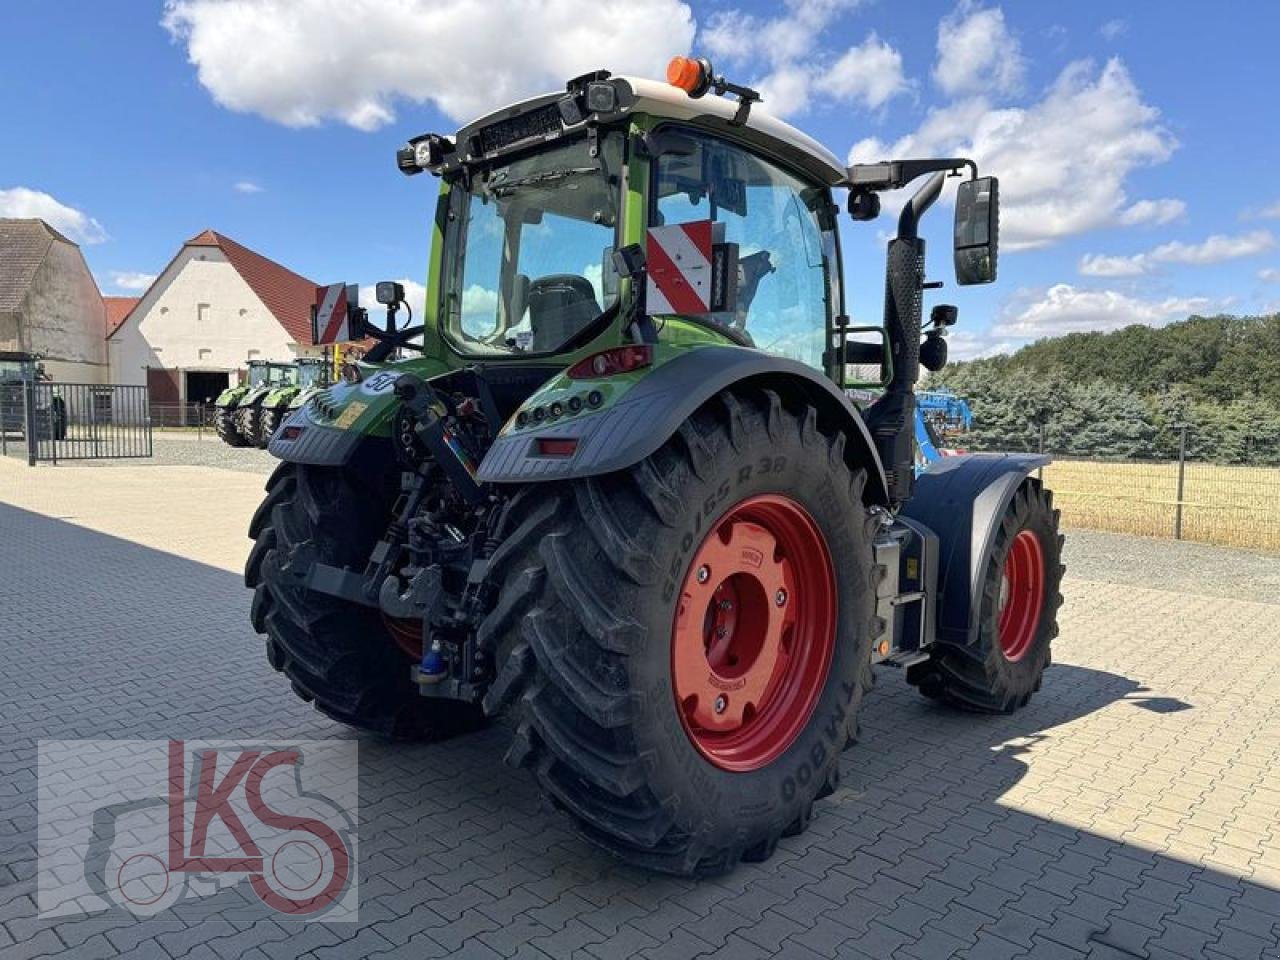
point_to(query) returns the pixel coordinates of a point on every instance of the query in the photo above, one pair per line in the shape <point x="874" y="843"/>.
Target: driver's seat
<point x="560" y="306"/>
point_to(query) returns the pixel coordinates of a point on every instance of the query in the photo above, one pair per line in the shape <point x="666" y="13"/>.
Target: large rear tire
<point x="336" y="654"/>
<point x="680" y="758"/>
<point x="224" y="424"/>
<point x="1018" y="620"/>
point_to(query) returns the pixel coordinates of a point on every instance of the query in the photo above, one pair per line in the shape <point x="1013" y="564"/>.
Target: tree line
<point x="1128" y="393"/>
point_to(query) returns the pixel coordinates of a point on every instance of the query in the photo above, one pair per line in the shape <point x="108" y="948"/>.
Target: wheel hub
<point x="1021" y="597"/>
<point x="754" y="632"/>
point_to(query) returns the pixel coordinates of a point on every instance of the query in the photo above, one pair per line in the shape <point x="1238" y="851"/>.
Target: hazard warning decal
<point x="691" y="270"/>
<point x="330" y="322"/>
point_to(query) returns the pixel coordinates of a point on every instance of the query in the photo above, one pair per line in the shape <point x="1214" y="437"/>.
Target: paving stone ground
<point x="1133" y="810"/>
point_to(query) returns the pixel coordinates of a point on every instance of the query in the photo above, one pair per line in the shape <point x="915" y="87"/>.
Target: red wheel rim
<point x="754" y="633"/>
<point x="407" y="634"/>
<point x="1021" y="595"/>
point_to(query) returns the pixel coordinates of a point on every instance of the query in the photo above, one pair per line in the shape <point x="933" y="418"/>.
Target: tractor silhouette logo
<point x="228" y="813"/>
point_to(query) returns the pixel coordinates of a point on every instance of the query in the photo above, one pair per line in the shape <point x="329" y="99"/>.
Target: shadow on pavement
<point x="921" y="853"/>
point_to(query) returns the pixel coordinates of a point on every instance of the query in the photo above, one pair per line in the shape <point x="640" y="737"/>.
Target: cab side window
<point x="786" y="265"/>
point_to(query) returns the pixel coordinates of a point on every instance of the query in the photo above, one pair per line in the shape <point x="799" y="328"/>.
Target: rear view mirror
<point x="977" y="230"/>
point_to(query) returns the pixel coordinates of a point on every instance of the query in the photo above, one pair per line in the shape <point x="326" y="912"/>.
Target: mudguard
<point x="649" y="413"/>
<point x="962" y="499"/>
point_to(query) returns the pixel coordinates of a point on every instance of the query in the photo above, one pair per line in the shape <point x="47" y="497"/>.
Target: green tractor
<point x="18" y="371"/>
<point x="312" y="376"/>
<point x="621" y="492"/>
<point x="238" y="412"/>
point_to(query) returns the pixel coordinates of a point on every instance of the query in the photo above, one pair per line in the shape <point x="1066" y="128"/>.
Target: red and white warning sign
<point x="679" y="268"/>
<point x="330" y="320"/>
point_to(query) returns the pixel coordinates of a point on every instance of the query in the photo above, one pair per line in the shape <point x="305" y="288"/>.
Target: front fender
<point x="648" y="414"/>
<point x="962" y="499"/>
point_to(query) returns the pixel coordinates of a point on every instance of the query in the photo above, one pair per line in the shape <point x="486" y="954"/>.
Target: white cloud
<point x="1114" y="29"/>
<point x="1213" y="249"/>
<point x="797" y="70"/>
<point x="1100" y="265"/>
<point x="24" y="203"/>
<point x="130" y="280"/>
<point x="870" y="74"/>
<point x="1269" y="275"/>
<point x="977" y="53"/>
<point x="971" y="345"/>
<point x="1269" y="212"/>
<point x="301" y="62"/>
<point x="1158" y="212"/>
<point x="246" y="186"/>
<point x="1062" y="161"/>
<point x="1067" y="309"/>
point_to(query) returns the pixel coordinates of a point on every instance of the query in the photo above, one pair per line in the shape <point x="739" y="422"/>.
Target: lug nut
<point x="721" y="703"/>
<point x="704" y="573"/>
<point x="726" y="605"/>
<point x="780" y="598"/>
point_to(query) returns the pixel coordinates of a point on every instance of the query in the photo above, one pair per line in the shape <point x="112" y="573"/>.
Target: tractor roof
<point x="659" y="99"/>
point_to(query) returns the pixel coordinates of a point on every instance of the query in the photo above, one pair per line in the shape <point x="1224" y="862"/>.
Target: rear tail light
<point x="615" y="360"/>
<point x="556" y="446"/>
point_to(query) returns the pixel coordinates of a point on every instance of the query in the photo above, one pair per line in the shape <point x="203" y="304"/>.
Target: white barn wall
<point x="165" y="328"/>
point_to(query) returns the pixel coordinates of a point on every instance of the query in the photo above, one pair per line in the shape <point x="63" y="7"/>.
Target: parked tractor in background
<point x="237" y="412"/>
<point x="49" y="418"/>
<point x="624" y="495"/>
<point x="313" y="374"/>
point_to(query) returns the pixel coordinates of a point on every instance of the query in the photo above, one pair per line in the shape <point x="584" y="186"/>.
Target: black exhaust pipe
<point x="891" y="418"/>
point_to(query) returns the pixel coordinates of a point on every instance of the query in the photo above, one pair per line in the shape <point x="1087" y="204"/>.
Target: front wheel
<point x="269" y="424"/>
<point x="248" y="423"/>
<point x="689" y="640"/>
<point x="1018" y="619"/>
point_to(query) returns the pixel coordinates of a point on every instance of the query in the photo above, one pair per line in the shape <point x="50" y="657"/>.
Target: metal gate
<point x="48" y="422"/>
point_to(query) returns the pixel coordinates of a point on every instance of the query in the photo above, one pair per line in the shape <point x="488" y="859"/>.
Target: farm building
<point x="49" y="302"/>
<point x="216" y="305"/>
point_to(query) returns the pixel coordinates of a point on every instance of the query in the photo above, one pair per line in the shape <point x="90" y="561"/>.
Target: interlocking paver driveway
<point x="1132" y="810"/>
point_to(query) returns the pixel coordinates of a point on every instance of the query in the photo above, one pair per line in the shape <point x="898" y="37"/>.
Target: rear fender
<point x="963" y="499"/>
<point x="649" y="413"/>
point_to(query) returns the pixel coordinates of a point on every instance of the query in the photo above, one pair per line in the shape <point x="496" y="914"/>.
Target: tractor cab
<point x="312" y="372"/>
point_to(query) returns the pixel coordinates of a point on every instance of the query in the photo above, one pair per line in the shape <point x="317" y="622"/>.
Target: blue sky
<point x="1136" y="145"/>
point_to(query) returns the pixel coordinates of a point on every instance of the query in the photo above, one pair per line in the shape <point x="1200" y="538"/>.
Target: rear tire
<point x="1000" y="672"/>
<point x="224" y="424"/>
<point x="336" y="654"/>
<point x="591" y="614"/>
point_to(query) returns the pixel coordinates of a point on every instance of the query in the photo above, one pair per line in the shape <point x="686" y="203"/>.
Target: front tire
<point x="248" y="423"/>
<point x="596" y="598"/>
<point x="1018" y="620"/>
<point x="270" y="423"/>
<point x="336" y="654"/>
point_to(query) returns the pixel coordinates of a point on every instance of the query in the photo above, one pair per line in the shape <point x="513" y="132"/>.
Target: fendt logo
<point x="149" y="827"/>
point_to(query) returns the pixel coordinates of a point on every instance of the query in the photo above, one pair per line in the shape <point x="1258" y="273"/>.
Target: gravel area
<point x="192" y="449"/>
<point x="1173" y="565"/>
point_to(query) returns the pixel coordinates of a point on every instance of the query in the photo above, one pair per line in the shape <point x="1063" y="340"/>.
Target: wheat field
<point x="1226" y="505"/>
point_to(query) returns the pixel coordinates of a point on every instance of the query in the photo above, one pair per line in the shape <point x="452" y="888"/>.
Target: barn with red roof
<point x="216" y="305"/>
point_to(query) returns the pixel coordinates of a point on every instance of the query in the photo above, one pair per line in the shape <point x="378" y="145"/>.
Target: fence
<point x="73" y="421"/>
<point x="169" y="416"/>
<point x="1182" y="498"/>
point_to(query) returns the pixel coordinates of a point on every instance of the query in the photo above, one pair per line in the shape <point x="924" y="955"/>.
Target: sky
<point x="1134" y="142"/>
